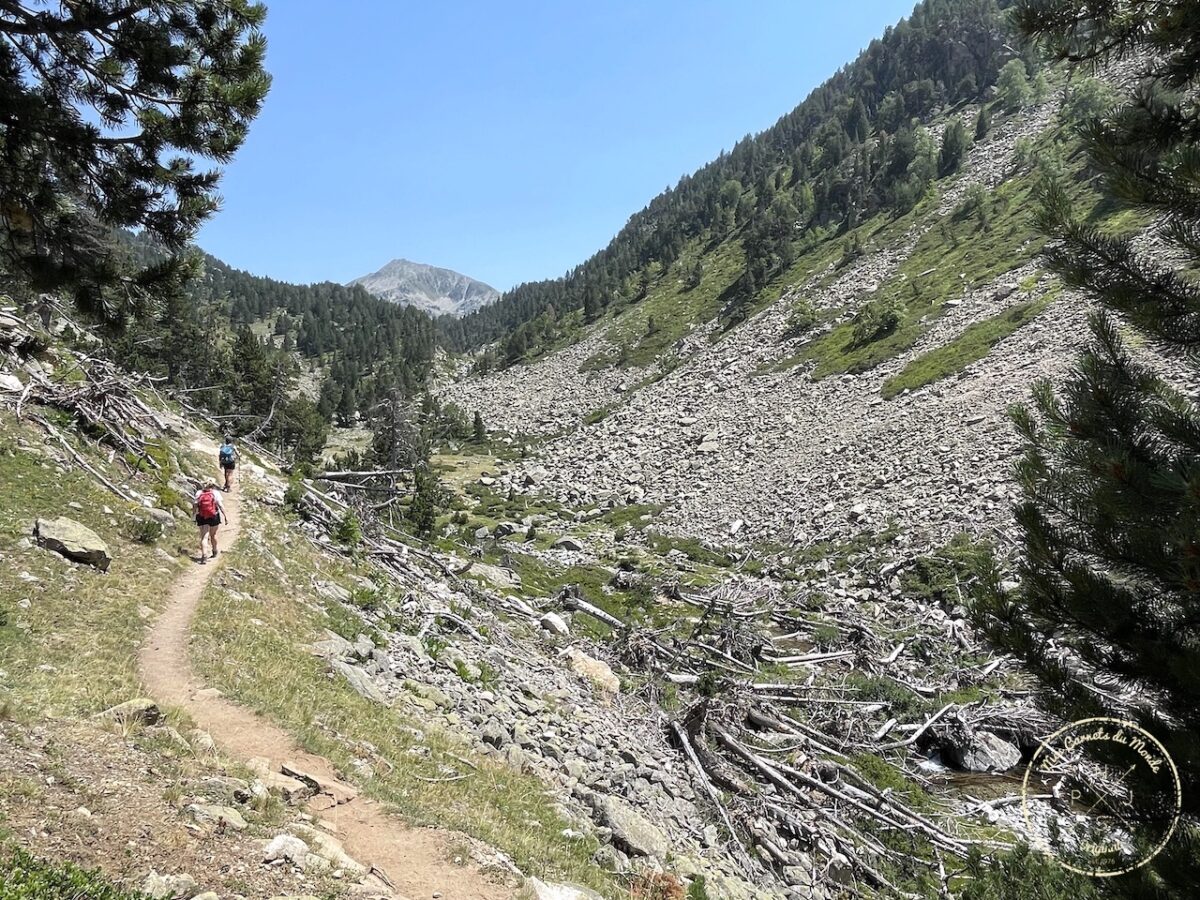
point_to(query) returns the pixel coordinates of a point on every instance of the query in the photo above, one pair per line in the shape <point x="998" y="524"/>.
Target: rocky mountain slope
<point x="770" y="433"/>
<point x="558" y="687"/>
<point x="429" y="288"/>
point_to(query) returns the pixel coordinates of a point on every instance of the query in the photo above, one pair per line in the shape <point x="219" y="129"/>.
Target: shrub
<point x="144" y="531"/>
<point x="167" y="496"/>
<point x="877" y="318"/>
<point x="802" y="317"/>
<point x="349" y="530"/>
<point x="294" y="493"/>
<point x="1022" y="874"/>
<point x="23" y="877"/>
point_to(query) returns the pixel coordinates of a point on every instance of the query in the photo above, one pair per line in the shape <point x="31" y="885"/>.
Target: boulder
<point x="168" y="887"/>
<point x="286" y="847"/>
<point x="10" y="383"/>
<point x="364" y="685"/>
<point x="566" y="542"/>
<point x="982" y="751"/>
<point x="217" y="816"/>
<point x="555" y="624"/>
<point x="549" y="890"/>
<point x="594" y="670"/>
<point x="163" y="517"/>
<point x="631" y="831"/>
<point x="72" y="540"/>
<point x="142" y="711"/>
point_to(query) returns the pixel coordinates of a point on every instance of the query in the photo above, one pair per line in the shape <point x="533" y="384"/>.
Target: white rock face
<point x="436" y="291"/>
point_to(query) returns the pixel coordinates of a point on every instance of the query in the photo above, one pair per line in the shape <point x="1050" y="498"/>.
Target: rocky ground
<point x="93" y="795"/>
<point x="733" y="449"/>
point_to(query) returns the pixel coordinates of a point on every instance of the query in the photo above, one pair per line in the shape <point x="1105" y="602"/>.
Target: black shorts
<point x="229" y="466"/>
<point x="213" y="521"/>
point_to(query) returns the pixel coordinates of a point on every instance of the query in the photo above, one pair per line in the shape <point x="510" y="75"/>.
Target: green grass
<point x="631" y="515"/>
<point x="884" y="776"/>
<point x="268" y="668"/>
<point x="972" y="345"/>
<point x="71" y="650"/>
<point x="957" y="254"/>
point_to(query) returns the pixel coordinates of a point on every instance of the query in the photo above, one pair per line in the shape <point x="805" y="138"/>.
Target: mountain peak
<point x="435" y="290"/>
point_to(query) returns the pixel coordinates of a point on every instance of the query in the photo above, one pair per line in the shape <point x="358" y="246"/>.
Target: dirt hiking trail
<point x="414" y="862"/>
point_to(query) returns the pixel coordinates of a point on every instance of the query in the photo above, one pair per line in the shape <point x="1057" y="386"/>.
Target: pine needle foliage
<point x="110" y="113"/>
<point x="1109" y="609"/>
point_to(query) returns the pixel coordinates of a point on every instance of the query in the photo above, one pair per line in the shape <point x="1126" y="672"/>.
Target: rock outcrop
<point x="74" y="541"/>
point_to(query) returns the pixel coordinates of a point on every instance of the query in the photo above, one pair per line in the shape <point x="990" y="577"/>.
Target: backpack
<point x="227" y="453"/>
<point x="206" y="503"/>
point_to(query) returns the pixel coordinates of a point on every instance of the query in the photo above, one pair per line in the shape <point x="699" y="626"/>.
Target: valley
<point x="760" y="556"/>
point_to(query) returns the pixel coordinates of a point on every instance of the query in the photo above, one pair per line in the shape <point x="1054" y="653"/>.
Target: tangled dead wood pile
<point x="784" y="706"/>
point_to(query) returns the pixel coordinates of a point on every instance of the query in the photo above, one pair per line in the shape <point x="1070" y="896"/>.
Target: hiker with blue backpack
<point x="228" y="459"/>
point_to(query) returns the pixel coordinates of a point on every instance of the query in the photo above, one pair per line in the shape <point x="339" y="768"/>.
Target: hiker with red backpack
<point x="209" y="511"/>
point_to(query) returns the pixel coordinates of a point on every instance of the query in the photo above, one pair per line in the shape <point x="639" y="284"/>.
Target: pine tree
<point x="954" y="147"/>
<point x="1013" y="85"/>
<point x="107" y="106"/>
<point x="983" y="124"/>
<point x="478" y="430"/>
<point x="427" y="497"/>
<point x="1110" y="515"/>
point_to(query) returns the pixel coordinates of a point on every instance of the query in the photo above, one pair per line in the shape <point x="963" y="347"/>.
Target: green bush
<point x="144" y="531"/>
<point x="802" y="317"/>
<point x="877" y="318"/>
<point x="1024" y="874"/>
<point x="23" y="877"/>
<point x="349" y="530"/>
<point x="294" y="493"/>
<point x="167" y="496"/>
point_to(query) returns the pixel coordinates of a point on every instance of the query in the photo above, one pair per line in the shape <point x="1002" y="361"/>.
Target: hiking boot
<point x="215" y="553"/>
<point x="203" y="561"/>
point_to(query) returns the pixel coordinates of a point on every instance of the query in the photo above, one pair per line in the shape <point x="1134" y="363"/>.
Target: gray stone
<point x="168" y="887"/>
<point x="142" y="711"/>
<point x="74" y="541"/>
<point x="11" y="383"/>
<point x="631" y="831"/>
<point x="982" y="752"/>
<point x="566" y="542"/>
<point x="364" y="685"/>
<point x="555" y="624"/>
<point x="163" y="517"/>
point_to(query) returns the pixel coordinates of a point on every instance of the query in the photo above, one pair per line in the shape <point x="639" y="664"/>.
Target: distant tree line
<point x="361" y="350"/>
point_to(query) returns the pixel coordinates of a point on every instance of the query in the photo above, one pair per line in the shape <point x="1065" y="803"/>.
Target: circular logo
<point x="1081" y="791"/>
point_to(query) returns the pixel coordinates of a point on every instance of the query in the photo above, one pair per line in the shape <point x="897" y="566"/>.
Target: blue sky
<point x="508" y="141"/>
